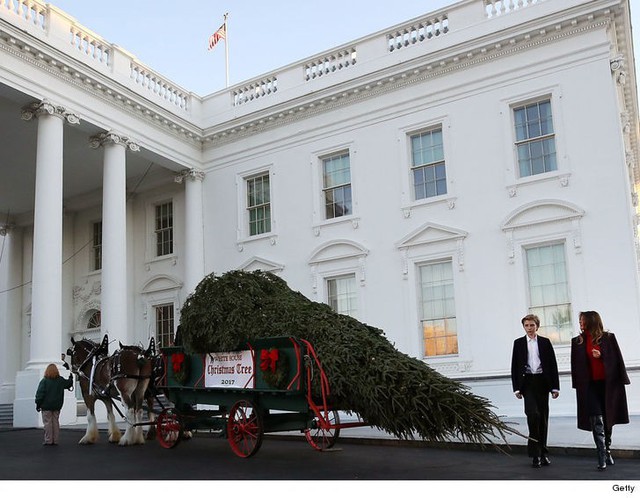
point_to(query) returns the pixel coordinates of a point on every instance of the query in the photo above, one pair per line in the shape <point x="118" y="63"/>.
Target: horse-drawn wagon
<point x="272" y="385"/>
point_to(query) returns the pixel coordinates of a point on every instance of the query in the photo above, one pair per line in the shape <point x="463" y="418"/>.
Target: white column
<point x="46" y="281"/>
<point x="114" y="234"/>
<point x="194" y="229"/>
<point x="10" y="310"/>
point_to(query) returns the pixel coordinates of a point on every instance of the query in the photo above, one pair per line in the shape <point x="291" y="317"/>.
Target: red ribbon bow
<point x="176" y="361"/>
<point x="268" y="359"/>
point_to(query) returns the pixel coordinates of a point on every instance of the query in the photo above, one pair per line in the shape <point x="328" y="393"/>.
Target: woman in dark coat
<point x="599" y="376"/>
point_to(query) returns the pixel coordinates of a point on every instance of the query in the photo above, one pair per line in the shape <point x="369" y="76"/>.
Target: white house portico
<point x="438" y="179"/>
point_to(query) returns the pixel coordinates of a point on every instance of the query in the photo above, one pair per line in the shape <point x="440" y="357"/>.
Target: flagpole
<point x="226" y="48"/>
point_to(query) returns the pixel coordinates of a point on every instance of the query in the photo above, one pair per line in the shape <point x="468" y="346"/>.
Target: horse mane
<point x="90" y="341"/>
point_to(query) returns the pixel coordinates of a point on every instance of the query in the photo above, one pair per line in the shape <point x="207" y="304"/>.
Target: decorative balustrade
<point x="154" y="83"/>
<point x="418" y="32"/>
<point x="330" y="63"/>
<point x="30" y="11"/>
<point x="92" y="46"/>
<point x="255" y="90"/>
<point x="495" y="8"/>
<point x="63" y="33"/>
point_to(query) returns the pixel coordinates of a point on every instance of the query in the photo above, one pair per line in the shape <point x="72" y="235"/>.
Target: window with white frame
<point x="164" y="228"/>
<point x="259" y="204"/>
<point x="336" y="185"/>
<point x="96" y="247"/>
<point x="164" y="325"/>
<point x="439" y="328"/>
<point x="342" y="295"/>
<point x="535" y="138"/>
<point x="549" y="291"/>
<point x="427" y="164"/>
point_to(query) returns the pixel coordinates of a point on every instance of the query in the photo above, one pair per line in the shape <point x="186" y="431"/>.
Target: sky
<point x="171" y="37"/>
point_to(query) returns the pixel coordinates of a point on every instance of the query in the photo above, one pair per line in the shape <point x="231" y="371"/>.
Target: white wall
<point x="483" y="194"/>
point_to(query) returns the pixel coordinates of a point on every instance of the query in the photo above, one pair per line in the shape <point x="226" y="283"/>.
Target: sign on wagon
<point x="232" y="369"/>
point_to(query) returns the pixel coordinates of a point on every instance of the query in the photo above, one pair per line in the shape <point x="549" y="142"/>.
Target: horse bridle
<point x="91" y="354"/>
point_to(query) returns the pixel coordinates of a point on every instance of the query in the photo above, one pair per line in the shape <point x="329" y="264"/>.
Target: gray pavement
<point x="564" y="437"/>
<point x="363" y="459"/>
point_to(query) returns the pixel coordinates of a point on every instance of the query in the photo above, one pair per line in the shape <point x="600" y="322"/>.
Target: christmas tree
<point x="367" y="374"/>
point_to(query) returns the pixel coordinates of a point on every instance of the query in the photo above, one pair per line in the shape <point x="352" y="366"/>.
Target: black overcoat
<point x="519" y="364"/>
<point x="616" y="378"/>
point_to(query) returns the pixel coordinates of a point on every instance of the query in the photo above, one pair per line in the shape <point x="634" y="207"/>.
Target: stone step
<point x="6" y="415"/>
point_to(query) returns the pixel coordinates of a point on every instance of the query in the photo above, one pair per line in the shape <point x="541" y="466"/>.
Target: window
<point x="549" y="291"/>
<point x="164" y="325"/>
<point x="94" y="321"/>
<point x="96" y="250"/>
<point x="427" y="165"/>
<point x="336" y="185"/>
<point x="164" y="229"/>
<point x="342" y="296"/>
<point x="259" y="204"/>
<point x="535" y="139"/>
<point x="439" y="330"/>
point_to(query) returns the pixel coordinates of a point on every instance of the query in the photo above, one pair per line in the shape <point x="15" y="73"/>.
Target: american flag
<point x="221" y="34"/>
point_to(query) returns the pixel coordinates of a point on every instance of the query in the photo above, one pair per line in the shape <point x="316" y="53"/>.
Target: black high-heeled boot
<point x="607" y="445"/>
<point x="597" y="428"/>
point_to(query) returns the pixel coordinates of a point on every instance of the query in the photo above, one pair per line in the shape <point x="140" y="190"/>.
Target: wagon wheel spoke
<point x="168" y="428"/>
<point x="323" y="434"/>
<point x="244" y="429"/>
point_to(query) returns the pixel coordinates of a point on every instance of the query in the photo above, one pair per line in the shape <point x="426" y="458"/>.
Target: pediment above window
<point x="338" y="257"/>
<point x="432" y="240"/>
<point x="336" y="250"/>
<point x="542" y="219"/>
<point x="546" y="211"/>
<point x="430" y="233"/>
<point x="257" y="263"/>
<point x="160" y="283"/>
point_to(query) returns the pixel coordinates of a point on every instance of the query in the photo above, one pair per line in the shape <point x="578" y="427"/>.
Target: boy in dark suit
<point x="534" y="374"/>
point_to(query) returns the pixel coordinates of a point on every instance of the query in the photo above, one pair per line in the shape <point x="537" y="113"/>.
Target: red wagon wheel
<point x="169" y="428"/>
<point x="244" y="429"/>
<point x="322" y="438"/>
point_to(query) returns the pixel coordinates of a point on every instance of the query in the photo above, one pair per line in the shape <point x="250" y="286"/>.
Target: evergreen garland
<point x="275" y="372"/>
<point x="180" y="367"/>
<point x="367" y="374"/>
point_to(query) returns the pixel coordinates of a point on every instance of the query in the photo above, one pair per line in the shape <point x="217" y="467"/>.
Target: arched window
<point x="94" y="320"/>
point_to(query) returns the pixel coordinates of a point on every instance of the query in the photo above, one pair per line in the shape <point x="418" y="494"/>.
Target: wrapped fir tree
<point x="367" y="374"/>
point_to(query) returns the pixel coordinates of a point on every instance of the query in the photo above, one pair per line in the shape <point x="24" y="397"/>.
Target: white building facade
<point x="438" y="180"/>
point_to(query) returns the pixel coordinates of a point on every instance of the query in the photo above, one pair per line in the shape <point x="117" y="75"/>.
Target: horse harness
<point x="95" y="357"/>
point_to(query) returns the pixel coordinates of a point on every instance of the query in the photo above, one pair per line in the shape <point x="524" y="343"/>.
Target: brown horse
<point x="124" y="375"/>
<point x="157" y="371"/>
<point x="90" y="363"/>
<point x="131" y="371"/>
